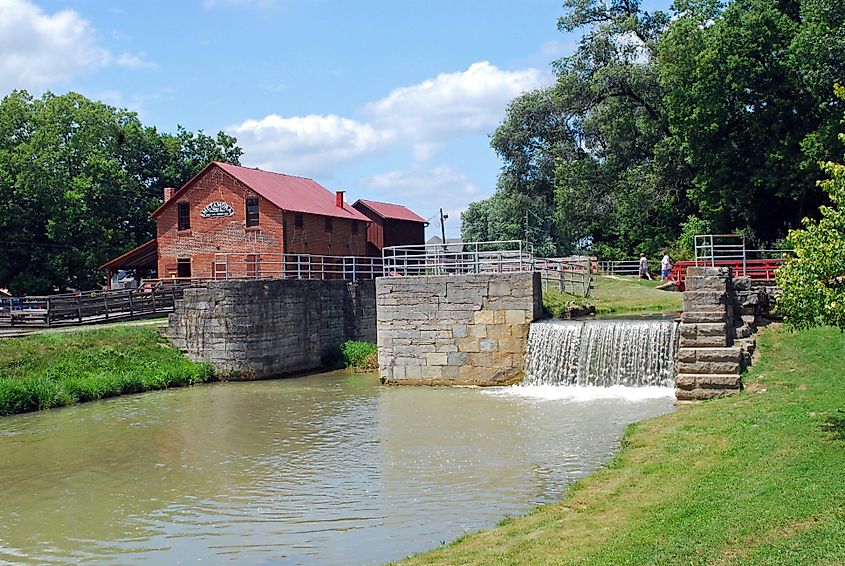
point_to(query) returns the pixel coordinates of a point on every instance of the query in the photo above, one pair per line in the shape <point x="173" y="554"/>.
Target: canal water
<point x="327" y="469"/>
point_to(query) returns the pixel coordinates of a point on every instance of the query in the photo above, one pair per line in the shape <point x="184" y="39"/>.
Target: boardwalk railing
<point x="90" y="307"/>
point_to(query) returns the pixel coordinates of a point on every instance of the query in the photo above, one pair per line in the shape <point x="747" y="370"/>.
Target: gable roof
<point x="288" y="192"/>
<point x="394" y="211"/>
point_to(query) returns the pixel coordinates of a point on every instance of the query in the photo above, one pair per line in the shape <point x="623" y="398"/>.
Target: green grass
<point x="618" y="295"/>
<point x="56" y="369"/>
<point x="359" y="355"/>
<point x="758" y="478"/>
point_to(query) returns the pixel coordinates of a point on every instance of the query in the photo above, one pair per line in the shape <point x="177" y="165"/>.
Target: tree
<point x="79" y="179"/>
<point x="748" y="96"/>
<point x="813" y="280"/>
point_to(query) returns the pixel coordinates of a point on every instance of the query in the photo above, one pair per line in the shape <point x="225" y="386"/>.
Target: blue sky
<point x="389" y="100"/>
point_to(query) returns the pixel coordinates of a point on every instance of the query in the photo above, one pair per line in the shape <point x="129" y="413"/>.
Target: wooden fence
<point x="89" y="307"/>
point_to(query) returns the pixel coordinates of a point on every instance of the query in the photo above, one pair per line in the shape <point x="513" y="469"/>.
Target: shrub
<point x="359" y="355"/>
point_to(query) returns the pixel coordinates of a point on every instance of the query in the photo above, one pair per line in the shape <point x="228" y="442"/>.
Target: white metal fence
<point x="228" y="266"/>
<point x="572" y="275"/>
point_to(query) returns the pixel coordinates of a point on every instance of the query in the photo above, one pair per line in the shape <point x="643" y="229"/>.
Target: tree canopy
<point x="713" y="114"/>
<point x="78" y="179"/>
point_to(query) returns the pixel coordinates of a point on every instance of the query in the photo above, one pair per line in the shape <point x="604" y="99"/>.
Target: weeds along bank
<point x="56" y="369"/>
<point x="751" y="479"/>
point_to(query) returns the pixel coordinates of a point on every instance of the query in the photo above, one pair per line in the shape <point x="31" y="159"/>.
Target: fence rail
<point x="90" y="307"/>
<point x="574" y="275"/>
<point x="295" y="266"/>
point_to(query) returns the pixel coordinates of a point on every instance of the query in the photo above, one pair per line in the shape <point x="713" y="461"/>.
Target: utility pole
<point x="443" y="226"/>
<point x="526" y="225"/>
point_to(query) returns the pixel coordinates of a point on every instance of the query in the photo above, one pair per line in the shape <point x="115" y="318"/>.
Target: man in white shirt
<point x="665" y="267"/>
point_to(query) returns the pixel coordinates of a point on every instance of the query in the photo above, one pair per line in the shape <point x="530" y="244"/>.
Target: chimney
<point x="168" y="193"/>
<point x="338" y="199"/>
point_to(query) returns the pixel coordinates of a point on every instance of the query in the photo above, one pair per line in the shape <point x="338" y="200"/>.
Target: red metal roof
<point x="388" y="210"/>
<point x="295" y="194"/>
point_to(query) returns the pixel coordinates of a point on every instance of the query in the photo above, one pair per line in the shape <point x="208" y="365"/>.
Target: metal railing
<point x="503" y="256"/>
<point x="229" y="266"/>
<point x="574" y="275"/>
<point x="731" y="250"/>
<point x="623" y="267"/>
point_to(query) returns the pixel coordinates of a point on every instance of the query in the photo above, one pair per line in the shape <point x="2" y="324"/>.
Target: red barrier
<point x="756" y="269"/>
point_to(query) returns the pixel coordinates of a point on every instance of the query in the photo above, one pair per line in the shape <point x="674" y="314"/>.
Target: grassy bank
<point x="56" y="369"/>
<point x="618" y="295"/>
<point x="758" y="478"/>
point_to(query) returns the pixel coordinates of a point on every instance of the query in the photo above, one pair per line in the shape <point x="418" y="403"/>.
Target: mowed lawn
<point x="55" y="369"/>
<point x="619" y="294"/>
<point x="758" y="478"/>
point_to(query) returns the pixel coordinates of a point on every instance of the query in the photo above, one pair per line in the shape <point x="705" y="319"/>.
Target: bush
<point x="359" y="355"/>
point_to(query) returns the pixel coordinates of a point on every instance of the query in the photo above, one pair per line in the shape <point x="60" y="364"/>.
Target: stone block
<point x="707" y="301"/>
<point x="459" y="331"/>
<point x="486" y="316"/>
<point x="704" y="316"/>
<point x="488" y="345"/>
<point x="721" y="341"/>
<point x="699" y="271"/>
<point x="457" y="358"/>
<point x="516" y="317"/>
<point x="710" y="284"/>
<point x="478" y="330"/>
<point x="468" y="345"/>
<point x="699" y="394"/>
<point x="702" y="367"/>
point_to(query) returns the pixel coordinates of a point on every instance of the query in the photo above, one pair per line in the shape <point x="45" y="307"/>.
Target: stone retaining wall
<point x="455" y="330"/>
<point x="260" y="329"/>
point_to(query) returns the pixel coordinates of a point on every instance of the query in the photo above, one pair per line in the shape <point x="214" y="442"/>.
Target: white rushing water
<point x="600" y="354"/>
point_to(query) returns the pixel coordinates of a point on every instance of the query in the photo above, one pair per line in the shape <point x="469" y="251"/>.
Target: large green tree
<point x="749" y="94"/>
<point x="78" y="179"/>
<point x="715" y="114"/>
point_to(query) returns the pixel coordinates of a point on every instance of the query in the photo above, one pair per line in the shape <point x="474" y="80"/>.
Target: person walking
<point x="644" y="274"/>
<point x="665" y="267"/>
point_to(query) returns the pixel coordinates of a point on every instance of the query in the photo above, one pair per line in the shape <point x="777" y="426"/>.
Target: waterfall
<point x="634" y="353"/>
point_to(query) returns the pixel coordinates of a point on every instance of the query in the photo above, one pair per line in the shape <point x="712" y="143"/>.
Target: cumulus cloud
<point x="307" y="145"/>
<point x="452" y="104"/>
<point x="414" y="187"/>
<point x="39" y="49"/>
<point x="423" y="118"/>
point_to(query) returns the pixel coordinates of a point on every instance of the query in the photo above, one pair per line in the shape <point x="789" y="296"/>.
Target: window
<point x="354" y="226"/>
<point x="297" y="220"/>
<point x="252" y="212"/>
<point x="328" y="223"/>
<point x="183" y="267"/>
<point x="184" y="216"/>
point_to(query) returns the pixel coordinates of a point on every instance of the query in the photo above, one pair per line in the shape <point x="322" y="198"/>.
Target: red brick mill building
<point x="231" y="221"/>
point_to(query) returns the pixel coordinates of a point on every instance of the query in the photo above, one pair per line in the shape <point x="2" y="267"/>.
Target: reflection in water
<point x="332" y="469"/>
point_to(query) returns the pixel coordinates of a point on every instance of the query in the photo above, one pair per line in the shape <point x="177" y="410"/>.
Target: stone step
<point x="689" y="381"/>
<point x="692" y="355"/>
<point x="721" y="341"/>
<point x="707" y="367"/>
<point x="704" y="316"/>
<point x="702" y="394"/>
<point x="703" y="329"/>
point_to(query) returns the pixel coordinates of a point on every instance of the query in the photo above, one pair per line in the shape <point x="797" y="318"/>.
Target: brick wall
<point x="455" y="330"/>
<point x="261" y="329"/>
<point x="276" y="229"/>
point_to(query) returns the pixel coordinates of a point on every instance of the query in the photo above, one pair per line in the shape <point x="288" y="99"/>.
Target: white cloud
<point x="425" y="190"/>
<point x="423" y="118"/>
<point x="307" y="145"/>
<point x="452" y="104"/>
<point x="38" y="49"/>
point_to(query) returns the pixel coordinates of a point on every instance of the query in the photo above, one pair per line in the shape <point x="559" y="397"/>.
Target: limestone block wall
<point x="455" y="330"/>
<point x="260" y="329"/>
